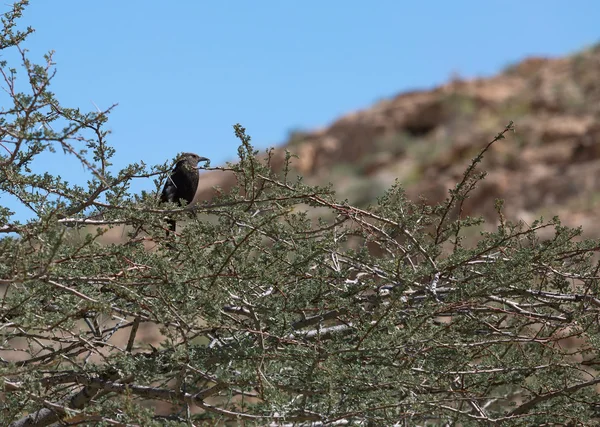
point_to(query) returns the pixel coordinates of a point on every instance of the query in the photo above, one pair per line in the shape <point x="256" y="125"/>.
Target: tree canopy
<point x="275" y="302"/>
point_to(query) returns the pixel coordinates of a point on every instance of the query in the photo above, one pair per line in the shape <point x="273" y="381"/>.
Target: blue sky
<point x="183" y="72"/>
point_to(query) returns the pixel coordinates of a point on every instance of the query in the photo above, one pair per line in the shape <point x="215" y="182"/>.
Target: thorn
<point x="99" y="110"/>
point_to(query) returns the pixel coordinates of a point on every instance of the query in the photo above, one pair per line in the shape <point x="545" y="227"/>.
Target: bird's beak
<point x="203" y="159"/>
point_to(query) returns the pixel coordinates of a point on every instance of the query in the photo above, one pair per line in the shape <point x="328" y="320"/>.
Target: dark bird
<point x="182" y="183"/>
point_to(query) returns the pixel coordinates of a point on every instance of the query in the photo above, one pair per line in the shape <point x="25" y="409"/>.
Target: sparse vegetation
<point x="296" y="137"/>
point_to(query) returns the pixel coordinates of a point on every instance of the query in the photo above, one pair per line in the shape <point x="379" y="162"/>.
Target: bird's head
<point x="191" y="159"/>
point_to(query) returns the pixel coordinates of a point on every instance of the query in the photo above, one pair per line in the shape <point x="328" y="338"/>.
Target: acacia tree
<point x="268" y="313"/>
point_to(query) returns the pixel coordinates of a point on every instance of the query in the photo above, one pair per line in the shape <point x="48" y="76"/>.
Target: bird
<point x="182" y="183"/>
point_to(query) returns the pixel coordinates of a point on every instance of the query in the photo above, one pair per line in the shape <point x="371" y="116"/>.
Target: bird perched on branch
<point x="182" y="183"/>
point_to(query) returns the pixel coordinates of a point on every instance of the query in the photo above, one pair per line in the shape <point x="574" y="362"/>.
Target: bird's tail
<point x="171" y="224"/>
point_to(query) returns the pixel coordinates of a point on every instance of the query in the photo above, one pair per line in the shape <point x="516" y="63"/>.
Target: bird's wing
<point x="197" y="194"/>
<point x="169" y="191"/>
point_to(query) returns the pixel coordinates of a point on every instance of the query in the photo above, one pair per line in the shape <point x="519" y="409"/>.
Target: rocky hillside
<point x="550" y="165"/>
